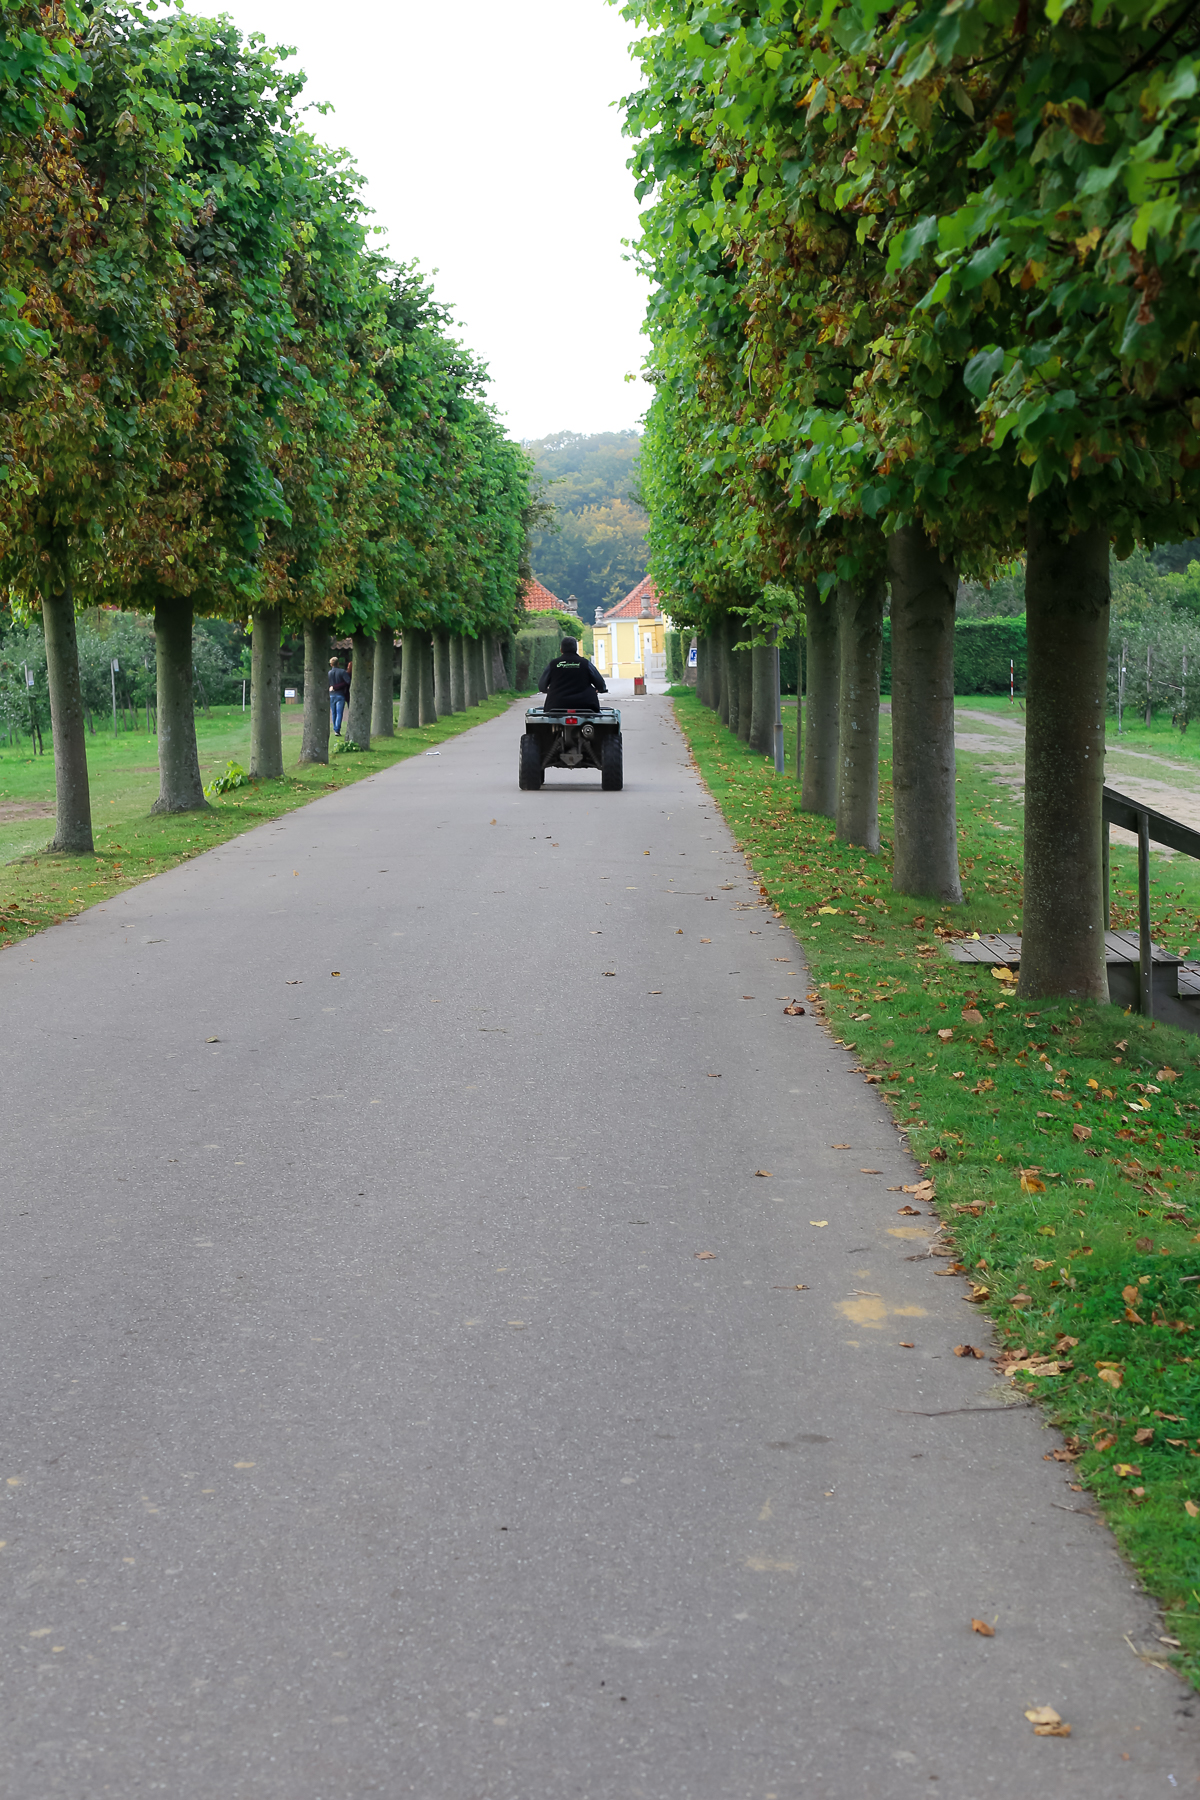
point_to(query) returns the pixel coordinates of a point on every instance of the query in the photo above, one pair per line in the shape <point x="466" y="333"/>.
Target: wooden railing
<point x="1148" y="826"/>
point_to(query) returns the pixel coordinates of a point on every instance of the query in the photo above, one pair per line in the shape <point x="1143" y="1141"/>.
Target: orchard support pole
<point x="458" y="673"/>
<point x="410" y="680"/>
<point x="383" y="682"/>
<point x="314" y="739"/>
<point x="357" y="726"/>
<point x="819" y="790"/>
<point x="860" y="645"/>
<point x="73" y="822"/>
<point x="1067" y="597"/>
<point x="180" y="786"/>
<point x="926" y="819"/>
<point x="266" y="726"/>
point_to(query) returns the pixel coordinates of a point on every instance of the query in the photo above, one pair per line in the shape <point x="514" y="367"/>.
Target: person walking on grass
<point x="339" y="693"/>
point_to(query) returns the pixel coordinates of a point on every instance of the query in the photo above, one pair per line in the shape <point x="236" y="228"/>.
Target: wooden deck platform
<point x="1176" y="984"/>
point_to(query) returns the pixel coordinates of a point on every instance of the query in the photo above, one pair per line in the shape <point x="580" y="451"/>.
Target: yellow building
<point x="628" y="638"/>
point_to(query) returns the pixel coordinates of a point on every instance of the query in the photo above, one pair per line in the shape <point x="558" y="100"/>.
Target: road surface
<point x="454" y="1346"/>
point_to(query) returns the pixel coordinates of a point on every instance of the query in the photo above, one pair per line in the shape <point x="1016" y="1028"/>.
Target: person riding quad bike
<point x="571" y="683"/>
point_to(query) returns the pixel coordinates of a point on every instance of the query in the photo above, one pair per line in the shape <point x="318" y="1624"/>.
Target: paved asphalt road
<point x="407" y="1389"/>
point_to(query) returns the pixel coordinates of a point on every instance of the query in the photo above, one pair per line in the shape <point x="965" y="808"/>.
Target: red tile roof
<point x="631" y="606"/>
<point x="537" y="598"/>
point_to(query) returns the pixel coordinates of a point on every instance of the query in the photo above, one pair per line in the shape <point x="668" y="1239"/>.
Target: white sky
<point x="493" y="155"/>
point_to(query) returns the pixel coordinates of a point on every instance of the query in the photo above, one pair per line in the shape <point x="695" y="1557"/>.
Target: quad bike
<point x="572" y="740"/>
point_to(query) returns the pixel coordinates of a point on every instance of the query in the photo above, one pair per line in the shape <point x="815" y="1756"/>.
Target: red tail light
<point x="571" y="719"/>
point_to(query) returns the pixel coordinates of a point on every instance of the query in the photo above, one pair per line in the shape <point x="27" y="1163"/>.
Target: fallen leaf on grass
<point x="1040" y="1263"/>
<point x="1031" y="1185"/>
<point x="972" y="1016"/>
<point x="967" y="1350"/>
<point x="1081" y="1133"/>
<point x="1126" y="1469"/>
<point x="946" y="1033"/>
<point x="706" y="1256"/>
<point x="1130" y="1294"/>
<point x="1104" y="1440"/>
<point x="1168" y="1074"/>
<point x="978" y="1292"/>
<point x="1004" y="975"/>
<point x="1022" y="1299"/>
<point x="1046" y="1722"/>
<point x="1144" y="1434"/>
<point x="1191" y="1509"/>
<point x="1084" y="1181"/>
<point x="1114" y="1377"/>
<point x="983" y="1628"/>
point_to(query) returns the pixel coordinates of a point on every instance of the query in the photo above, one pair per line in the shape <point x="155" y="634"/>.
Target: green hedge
<point x="982" y="648"/>
<point x="675" y="654"/>
<point x="534" y="650"/>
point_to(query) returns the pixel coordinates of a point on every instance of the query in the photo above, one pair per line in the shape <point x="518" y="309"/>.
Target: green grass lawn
<point x="1063" y="1140"/>
<point x="37" y="888"/>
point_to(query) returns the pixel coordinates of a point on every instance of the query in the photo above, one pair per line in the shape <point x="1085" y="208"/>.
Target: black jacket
<point x="571" y="681"/>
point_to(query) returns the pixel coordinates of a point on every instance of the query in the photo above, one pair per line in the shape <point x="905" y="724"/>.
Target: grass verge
<point x="38" y="888"/>
<point x="1063" y="1142"/>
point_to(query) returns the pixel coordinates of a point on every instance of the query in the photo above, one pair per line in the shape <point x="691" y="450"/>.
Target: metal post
<point x="1145" y="948"/>
<point x="778" y="728"/>
<point x="1149" y="691"/>
<point x="113" y="671"/>
<point x="1121" y="686"/>
<point x="1012" y="681"/>
<point x="243" y="696"/>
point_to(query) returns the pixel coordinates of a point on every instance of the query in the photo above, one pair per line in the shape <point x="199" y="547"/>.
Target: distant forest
<point x="596" y="547"/>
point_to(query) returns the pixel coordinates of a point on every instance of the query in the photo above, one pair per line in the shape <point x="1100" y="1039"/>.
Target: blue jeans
<point x="337" y="706"/>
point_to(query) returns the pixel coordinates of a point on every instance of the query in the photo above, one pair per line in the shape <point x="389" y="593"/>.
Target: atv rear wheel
<point x="612" y="774"/>
<point x="531" y="773"/>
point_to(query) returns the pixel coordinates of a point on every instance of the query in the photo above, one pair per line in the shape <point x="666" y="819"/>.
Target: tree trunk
<point x="443" y="684"/>
<point x="73" y="824"/>
<point x="486" y="651"/>
<point x="473" y="657"/>
<point x="1067" y="602"/>
<point x="926" y="819"/>
<point x="458" y="673"/>
<point x="410" y="680"/>
<point x="428" y="703"/>
<point x="745" y="671"/>
<point x="733" y="676"/>
<point x="314" y="738"/>
<point x="383" y="683"/>
<point x="860" y="644"/>
<point x="362" y="689"/>
<point x="798" y="765"/>
<point x="266" y="728"/>
<point x="722" y="684"/>
<point x="762" y="706"/>
<point x="499" y="672"/>
<point x="702" y="666"/>
<point x="180" y="787"/>
<point x="819" y="791"/>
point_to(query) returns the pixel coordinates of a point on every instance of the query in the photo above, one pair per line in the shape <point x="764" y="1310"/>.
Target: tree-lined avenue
<point x="375" y="1423"/>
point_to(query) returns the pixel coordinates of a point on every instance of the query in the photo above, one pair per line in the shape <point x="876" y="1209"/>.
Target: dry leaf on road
<point x="762" y="1172"/>
<point x="706" y="1256"/>
<point x="819" y="1223"/>
<point x="839" y="1146"/>
<point x="794" y="1012"/>
<point x="1046" y="1722"/>
<point x="967" y="1350"/>
<point x="983" y="1628"/>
